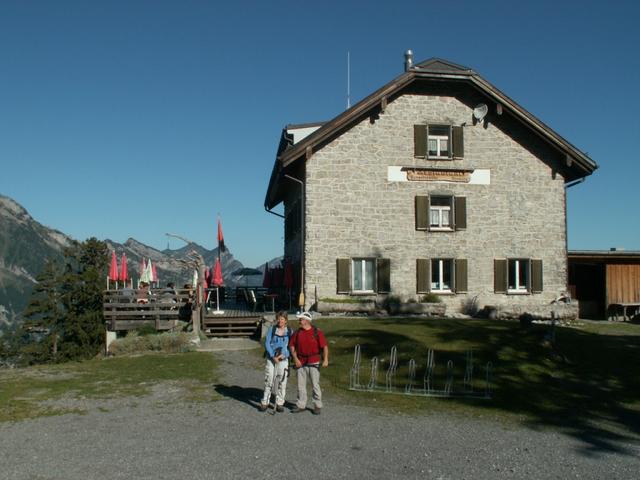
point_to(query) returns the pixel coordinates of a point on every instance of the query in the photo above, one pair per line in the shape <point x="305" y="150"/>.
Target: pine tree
<point x="44" y="313"/>
<point x="65" y="310"/>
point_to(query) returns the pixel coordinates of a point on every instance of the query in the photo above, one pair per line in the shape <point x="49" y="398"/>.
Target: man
<point x="308" y="347"/>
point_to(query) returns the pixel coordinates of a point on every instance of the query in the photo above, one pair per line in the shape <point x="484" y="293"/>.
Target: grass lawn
<point x="587" y="381"/>
<point x="23" y="391"/>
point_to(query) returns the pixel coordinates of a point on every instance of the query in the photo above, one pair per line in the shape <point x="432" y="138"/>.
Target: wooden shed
<point x="603" y="279"/>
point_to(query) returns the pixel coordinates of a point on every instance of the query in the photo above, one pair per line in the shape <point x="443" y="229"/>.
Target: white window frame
<point x="440" y="264"/>
<point x="440" y="209"/>
<point x="362" y="263"/>
<point x="519" y="289"/>
<point x="438" y="139"/>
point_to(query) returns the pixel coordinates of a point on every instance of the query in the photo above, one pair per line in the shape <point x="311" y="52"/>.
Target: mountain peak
<point x="12" y="209"/>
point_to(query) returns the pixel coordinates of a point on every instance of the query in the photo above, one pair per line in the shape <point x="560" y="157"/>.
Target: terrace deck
<point x="123" y="311"/>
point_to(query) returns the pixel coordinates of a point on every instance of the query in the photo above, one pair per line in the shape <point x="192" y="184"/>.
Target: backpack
<point x="273" y="329"/>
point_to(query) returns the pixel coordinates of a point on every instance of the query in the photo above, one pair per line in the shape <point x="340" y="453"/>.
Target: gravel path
<point x="160" y="438"/>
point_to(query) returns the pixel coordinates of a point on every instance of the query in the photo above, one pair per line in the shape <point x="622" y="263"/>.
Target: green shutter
<point x="422" y="212"/>
<point x="343" y="269"/>
<point x="458" y="142"/>
<point x="536" y="276"/>
<point x="500" y="276"/>
<point x="423" y="275"/>
<point x="383" y="275"/>
<point x="460" y="212"/>
<point x="420" y="141"/>
<point x="461" y="275"/>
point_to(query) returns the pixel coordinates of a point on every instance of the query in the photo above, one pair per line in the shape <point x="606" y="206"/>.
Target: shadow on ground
<point x="582" y="382"/>
<point x="251" y="396"/>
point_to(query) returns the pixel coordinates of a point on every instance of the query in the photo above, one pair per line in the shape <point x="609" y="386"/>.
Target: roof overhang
<point x="577" y="162"/>
<point x="603" y="255"/>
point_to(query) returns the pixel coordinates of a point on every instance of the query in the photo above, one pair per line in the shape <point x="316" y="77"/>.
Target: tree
<point x="81" y="287"/>
<point x="44" y="312"/>
<point x="65" y="310"/>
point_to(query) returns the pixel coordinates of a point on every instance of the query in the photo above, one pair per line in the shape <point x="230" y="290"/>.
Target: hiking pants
<point x="281" y="371"/>
<point x="313" y="372"/>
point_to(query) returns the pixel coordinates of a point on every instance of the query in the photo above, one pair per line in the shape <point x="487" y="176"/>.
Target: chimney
<point x="408" y="60"/>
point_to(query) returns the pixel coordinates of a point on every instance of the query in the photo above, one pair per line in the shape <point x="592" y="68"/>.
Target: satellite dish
<point x="480" y="112"/>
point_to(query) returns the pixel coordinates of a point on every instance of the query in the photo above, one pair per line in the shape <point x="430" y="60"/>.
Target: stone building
<point x="435" y="183"/>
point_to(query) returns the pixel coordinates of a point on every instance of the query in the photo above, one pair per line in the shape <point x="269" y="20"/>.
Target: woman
<point x="277" y="368"/>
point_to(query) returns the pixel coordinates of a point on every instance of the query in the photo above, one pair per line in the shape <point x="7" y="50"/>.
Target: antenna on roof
<point x="348" y="79"/>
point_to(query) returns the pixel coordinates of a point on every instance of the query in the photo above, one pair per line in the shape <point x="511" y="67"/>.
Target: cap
<point x="304" y="316"/>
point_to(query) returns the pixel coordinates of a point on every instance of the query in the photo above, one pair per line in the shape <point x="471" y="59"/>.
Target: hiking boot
<point x="279" y="408"/>
<point x="316" y="410"/>
<point x="263" y="407"/>
<point x="297" y="410"/>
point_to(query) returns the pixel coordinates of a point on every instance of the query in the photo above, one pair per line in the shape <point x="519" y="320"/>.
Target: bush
<point x="430" y="298"/>
<point x="164" y="342"/>
<point x="145" y="330"/>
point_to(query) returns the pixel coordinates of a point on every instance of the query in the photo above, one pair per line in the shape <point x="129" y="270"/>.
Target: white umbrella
<point x="147" y="274"/>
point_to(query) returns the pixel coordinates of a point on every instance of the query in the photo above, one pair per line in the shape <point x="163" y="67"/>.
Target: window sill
<point x="518" y="292"/>
<point x="441" y="229"/>
<point x="357" y="293"/>
<point x="443" y="292"/>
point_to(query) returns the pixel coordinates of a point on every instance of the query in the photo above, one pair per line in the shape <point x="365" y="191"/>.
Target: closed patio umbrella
<point x="288" y="278"/>
<point x="266" y="281"/>
<point x="217" y="281"/>
<point x="154" y="273"/>
<point x="113" y="270"/>
<point x="124" y="272"/>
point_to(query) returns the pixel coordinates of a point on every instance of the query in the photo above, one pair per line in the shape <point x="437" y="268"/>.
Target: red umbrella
<point x="217" y="274"/>
<point x="288" y="275"/>
<point x="266" y="281"/>
<point x="113" y="269"/>
<point x="277" y="275"/>
<point x="154" y="272"/>
<point x="207" y="275"/>
<point x="124" y="274"/>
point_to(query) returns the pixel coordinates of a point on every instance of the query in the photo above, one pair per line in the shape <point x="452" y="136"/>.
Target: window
<point x="439" y="141"/>
<point x="519" y="275"/>
<point x="440" y="213"/>
<point x="441" y="275"/>
<point x="364" y="274"/>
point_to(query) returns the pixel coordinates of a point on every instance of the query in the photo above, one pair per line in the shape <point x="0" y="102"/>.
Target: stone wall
<point x="352" y="210"/>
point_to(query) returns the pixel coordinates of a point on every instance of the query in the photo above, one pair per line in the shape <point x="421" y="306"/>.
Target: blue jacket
<point x="274" y="342"/>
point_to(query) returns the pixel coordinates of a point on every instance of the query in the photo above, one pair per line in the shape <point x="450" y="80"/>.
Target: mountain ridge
<point x="26" y="244"/>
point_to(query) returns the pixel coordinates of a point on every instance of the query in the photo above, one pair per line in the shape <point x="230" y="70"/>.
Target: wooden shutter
<point x="460" y="212"/>
<point x="458" y="142"/>
<point x="383" y="275"/>
<point x="461" y="275"/>
<point x="536" y="276"/>
<point x="423" y="275"/>
<point x="422" y="212"/>
<point x="343" y="269"/>
<point x="420" y="141"/>
<point x="500" y="276"/>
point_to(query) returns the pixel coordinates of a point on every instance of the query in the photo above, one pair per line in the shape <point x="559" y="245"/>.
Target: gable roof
<point x="578" y="163"/>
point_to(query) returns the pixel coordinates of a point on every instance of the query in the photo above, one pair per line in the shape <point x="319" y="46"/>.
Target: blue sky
<point x="134" y="118"/>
